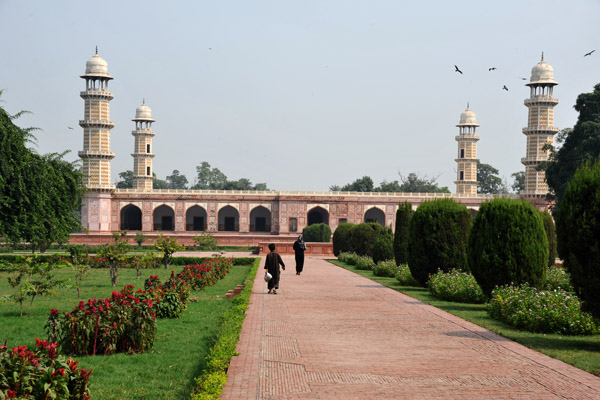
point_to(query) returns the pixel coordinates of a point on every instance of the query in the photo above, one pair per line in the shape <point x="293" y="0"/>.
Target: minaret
<point x="96" y="154"/>
<point x="540" y="129"/>
<point x="467" y="160"/>
<point x="142" y="152"/>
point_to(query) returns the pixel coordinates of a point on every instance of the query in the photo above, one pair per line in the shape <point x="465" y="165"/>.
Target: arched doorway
<point x="164" y="218"/>
<point x="260" y="219"/>
<point x="375" y="215"/>
<point x="229" y="219"/>
<point x="318" y="215"/>
<point x="131" y="218"/>
<point x="195" y="219"/>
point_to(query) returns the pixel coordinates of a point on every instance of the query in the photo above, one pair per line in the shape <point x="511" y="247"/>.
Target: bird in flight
<point x="492" y="69"/>
<point x="69" y="127"/>
<point x="523" y="79"/>
<point x="589" y="54"/>
<point x="457" y="70"/>
<point x="504" y="88"/>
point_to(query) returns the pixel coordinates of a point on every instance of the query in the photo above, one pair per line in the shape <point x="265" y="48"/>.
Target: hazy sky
<point x="298" y="94"/>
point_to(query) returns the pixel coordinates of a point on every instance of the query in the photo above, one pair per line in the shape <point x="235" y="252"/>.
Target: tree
<point x="580" y="144"/>
<point x="158" y="183"/>
<point x="126" y="181"/>
<point x="38" y="193"/>
<point x="115" y="254"/>
<point x="413" y="183"/>
<point x="209" y="178"/>
<point x="489" y="181"/>
<point x="140" y="237"/>
<point x="177" y="181"/>
<point x="403" y="215"/>
<point x="167" y="246"/>
<point x="389" y="187"/>
<point x="519" y="181"/>
<point x="342" y="238"/>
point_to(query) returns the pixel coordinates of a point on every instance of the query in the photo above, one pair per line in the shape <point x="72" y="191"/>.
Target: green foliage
<point x="348" y="258"/>
<point x="41" y="373"/>
<point x="404" y="276"/>
<point x="385" y="268"/>
<point x="383" y="248"/>
<point x="80" y="264"/>
<point x="403" y="215"/>
<point x="488" y="180"/>
<point x="214" y="179"/>
<point x="578" y="230"/>
<point x="508" y="245"/>
<point x="438" y="233"/>
<point x="176" y="180"/>
<point x="364" y="263"/>
<point x="413" y="183"/>
<point x="456" y="286"/>
<point x="126" y="181"/>
<point x="528" y="308"/>
<point x="317" y="233"/>
<point x="39" y="194"/>
<point x="167" y="246"/>
<point x="140" y="237"/>
<point x="557" y="277"/>
<point x="205" y="241"/>
<point x="580" y="144"/>
<point x="114" y="253"/>
<point x="519" y="181"/>
<point x="342" y="238"/>
<point x="550" y="230"/>
<point x="364" y="236"/>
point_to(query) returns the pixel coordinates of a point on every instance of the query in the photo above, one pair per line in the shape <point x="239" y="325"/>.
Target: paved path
<point x="332" y="334"/>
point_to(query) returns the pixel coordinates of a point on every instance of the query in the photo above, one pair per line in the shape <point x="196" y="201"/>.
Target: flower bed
<point x="385" y="268"/>
<point x="536" y="310"/>
<point x="41" y="373"/>
<point x="404" y="276"/>
<point x="456" y="286"/>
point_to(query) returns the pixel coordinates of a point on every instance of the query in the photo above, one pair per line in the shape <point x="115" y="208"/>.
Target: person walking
<point x="299" y="248"/>
<point x="272" y="263"/>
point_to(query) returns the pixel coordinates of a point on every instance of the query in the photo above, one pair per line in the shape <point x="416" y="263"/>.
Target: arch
<point x="374" y="214"/>
<point x="260" y="219"/>
<point x="229" y="219"/>
<point x="164" y="218"/>
<point x="317" y="215"/>
<point x="131" y="218"/>
<point x="195" y="219"/>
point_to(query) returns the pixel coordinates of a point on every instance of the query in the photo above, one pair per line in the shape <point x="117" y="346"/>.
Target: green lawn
<point x="168" y="370"/>
<point x="580" y="351"/>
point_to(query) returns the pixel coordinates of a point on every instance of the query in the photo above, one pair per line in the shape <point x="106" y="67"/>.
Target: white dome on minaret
<point x="96" y="67"/>
<point x="542" y="73"/>
<point x="143" y="113"/>
<point x="468" y="117"/>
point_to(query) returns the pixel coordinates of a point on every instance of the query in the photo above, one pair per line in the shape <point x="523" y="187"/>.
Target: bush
<point x="508" y="245"/>
<point x="170" y="298"/>
<point x="317" y="233"/>
<point x="383" y="249"/>
<point x="557" y="277"/>
<point x="348" y="258"/>
<point x="207" y="273"/>
<point x="456" y="286"/>
<point x="41" y="373"/>
<point x="404" y="277"/>
<point x="385" y="268"/>
<point x="403" y="215"/>
<point x="528" y="308"/>
<point x="551" y="236"/>
<point x="342" y="238"/>
<point x="438" y="233"/>
<point x="363" y="238"/>
<point x="205" y="241"/>
<point x="364" y="263"/>
<point x="578" y="230"/>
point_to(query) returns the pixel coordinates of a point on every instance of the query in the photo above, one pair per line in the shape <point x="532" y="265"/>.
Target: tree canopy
<point x="39" y="194"/>
<point x="213" y="179"/>
<point x="580" y="144"/>
<point x="488" y="180"/>
<point x="412" y="183"/>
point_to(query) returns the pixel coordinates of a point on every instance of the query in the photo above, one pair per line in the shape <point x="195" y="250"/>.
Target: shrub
<point x="383" y="248"/>
<point x="404" y="277"/>
<point x="342" y="238"/>
<point x="317" y="233"/>
<point x="348" y="258"/>
<point x="41" y="373"/>
<point x="363" y="238"/>
<point x="169" y="298"/>
<point x="167" y="246"/>
<point x="205" y="241"/>
<point x="364" y="263"/>
<point x="206" y="274"/>
<point x="558" y="278"/>
<point x="438" y="233"/>
<point x="456" y="286"/>
<point x="551" y="236"/>
<point x="548" y="311"/>
<point x="385" y="268"/>
<point x="507" y="245"/>
<point x="578" y="229"/>
<point x="403" y="215"/>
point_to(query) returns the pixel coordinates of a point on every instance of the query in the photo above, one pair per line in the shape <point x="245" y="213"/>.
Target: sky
<point x="304" y="94"/>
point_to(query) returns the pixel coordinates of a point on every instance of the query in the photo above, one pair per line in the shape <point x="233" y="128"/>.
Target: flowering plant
<point x="456" y="286"/>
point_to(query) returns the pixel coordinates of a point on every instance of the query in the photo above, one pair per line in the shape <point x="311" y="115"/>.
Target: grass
<point x="582" y="352"/>
<point x="168" y="370"/>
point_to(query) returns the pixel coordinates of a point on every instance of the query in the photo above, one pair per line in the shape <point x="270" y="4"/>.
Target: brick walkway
<point x="332" y="334"/>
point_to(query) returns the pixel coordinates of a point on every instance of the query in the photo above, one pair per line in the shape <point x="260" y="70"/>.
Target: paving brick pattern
<point x="332" y="334"/>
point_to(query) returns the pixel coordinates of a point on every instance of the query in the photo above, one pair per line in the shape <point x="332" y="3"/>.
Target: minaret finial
<point x="467" y="105"/>
<point x="542" y="56"/>
<point x="96" y="50"/>
<point x="143" y="100"/>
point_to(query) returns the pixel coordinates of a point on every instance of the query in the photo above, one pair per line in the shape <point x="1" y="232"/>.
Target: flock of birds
<point x="504" y="87"/>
